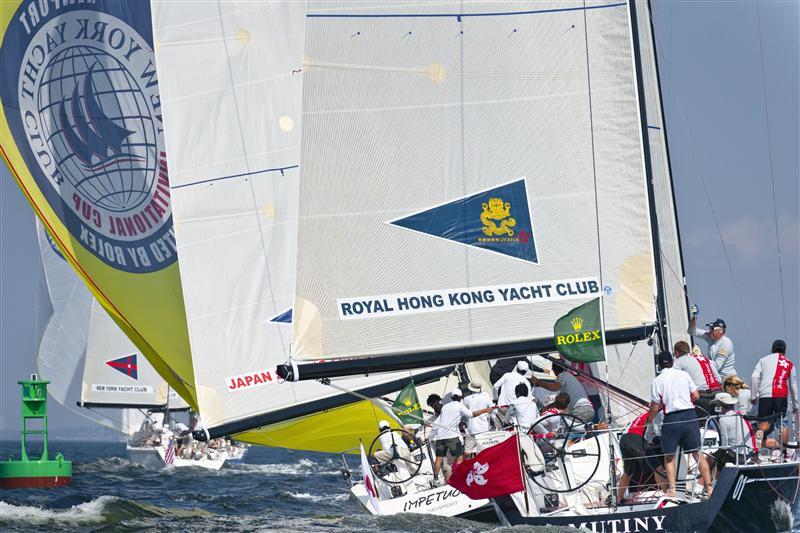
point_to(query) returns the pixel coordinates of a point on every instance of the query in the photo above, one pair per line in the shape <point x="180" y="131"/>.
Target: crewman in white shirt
<point x="674" y="391"/>
<point x="523" y="411"/>
<point x="447" y="436"/>
<point x="393" y="447"/>
<point x="505" y="386"/>
<point x="720" y="347"/>
<point x="476" y="401"/>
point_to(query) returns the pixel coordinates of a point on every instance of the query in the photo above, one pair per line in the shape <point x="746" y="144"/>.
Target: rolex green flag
<point x="579" y="335"/>
<point x="407" y="407"/>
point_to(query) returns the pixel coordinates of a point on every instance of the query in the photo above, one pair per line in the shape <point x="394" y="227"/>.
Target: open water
<point x="275" y="489"/>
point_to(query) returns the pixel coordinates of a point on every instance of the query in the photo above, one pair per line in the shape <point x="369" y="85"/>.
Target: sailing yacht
<point x="96" y="372"/>
<point x="472" y="171"/>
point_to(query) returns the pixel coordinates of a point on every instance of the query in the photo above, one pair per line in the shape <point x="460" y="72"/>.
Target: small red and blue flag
<point x="126" y="365"/>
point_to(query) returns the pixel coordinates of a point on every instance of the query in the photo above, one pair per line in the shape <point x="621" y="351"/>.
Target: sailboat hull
<point x="746" y="498"/>
<point x="154" y="457"/>
<point x="441" y="501"/>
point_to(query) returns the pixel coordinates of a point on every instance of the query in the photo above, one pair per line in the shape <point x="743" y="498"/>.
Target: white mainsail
<point x="230" y="76"/>
<point x="63" y="342"/>
<point x="471" y="171"/>
<point x="115" y="374"/>
<point x="71" y="326"/>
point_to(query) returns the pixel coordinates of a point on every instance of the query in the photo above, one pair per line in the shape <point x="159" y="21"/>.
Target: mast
<point x="654" y="229"/>
<point x="669" y="157"/>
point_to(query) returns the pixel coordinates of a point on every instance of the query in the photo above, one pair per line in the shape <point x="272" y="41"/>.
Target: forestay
<point x="471" y="171"/>
<point x="231" y="85"/>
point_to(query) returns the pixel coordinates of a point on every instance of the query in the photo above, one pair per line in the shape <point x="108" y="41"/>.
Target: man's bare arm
<point x="655" y="407"/>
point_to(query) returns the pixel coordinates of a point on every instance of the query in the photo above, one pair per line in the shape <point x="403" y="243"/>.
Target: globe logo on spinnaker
<point x="93" y="122"/>
<point x="90" y="120"/>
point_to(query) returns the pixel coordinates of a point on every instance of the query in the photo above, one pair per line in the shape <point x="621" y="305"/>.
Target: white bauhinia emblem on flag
<point x="476" y="475"/>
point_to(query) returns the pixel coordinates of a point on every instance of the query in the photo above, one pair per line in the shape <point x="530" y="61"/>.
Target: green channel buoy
<point x="34" y="473"/>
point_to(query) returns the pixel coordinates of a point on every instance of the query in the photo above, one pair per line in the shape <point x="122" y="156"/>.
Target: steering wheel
<point x="555" y="450"/>
<point x="412" y="466"/>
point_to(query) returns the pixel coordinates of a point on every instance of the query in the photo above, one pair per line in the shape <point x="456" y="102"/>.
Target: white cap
<point x="523" y="366"/>
<point x="383" y="424"/>
<point x="456" y="392"/>
<point x="541" y="362"/>
<point x="724" y="397"/>
<point x="475" y="385"/>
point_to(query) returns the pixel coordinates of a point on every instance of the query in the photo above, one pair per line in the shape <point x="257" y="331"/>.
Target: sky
<point x="717" y="100"/>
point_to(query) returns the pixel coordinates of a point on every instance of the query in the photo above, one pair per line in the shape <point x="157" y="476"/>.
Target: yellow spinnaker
<point x="81" y="132"/>
<point x="333" y="431"/>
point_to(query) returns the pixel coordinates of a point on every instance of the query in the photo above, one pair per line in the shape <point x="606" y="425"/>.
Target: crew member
<point x="392" y="445"/>
<point x="446" y="434"/>
<point x="736" y="438"/>
<point x="580" y="406"/>
<point x="674" y="391"/>
<point x="736" y="387"/>
<point x="720" y="347"/>
<point x="633" y="446"/>
<point x="550" y="424"/>
<point x="703" y="374"/>
<point x="476" y="401"/>
<point x="542" y="365"/>
<point x="505" y="386"/>
<point x="184" y="440"/>
<point x="523" y="411"/>
<point x="774" y="380"/>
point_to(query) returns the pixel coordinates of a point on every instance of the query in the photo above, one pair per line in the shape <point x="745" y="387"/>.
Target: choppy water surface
<point x="276" y="489"/>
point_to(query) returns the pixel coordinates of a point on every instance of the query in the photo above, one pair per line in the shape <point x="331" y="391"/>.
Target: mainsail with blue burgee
<point x="496" y="220"/>
<point x="437" y="139"/>
<point x="82" y="134"/>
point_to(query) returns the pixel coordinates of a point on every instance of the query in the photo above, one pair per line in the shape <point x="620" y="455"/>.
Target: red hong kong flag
<point x="494" y="472"/>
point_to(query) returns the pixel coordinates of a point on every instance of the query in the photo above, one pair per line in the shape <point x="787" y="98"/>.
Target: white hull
<point x="417" y="496"/>
<point x="153" y="457"/>
<point x="440" y="501"/>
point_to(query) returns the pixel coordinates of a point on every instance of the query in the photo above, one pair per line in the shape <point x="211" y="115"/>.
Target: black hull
<point x="486" y="514"/>
<point x="748" y="498"/>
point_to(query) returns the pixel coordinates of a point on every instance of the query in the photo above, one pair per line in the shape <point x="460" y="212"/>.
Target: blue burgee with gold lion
<point x="497" y="220"/>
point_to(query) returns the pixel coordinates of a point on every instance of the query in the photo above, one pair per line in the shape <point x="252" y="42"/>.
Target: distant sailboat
<point x="96" y="372"/>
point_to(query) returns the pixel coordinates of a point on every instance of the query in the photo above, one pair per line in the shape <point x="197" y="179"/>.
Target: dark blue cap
<point x="717" y="323"/>
<point x="665" y="358"/>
